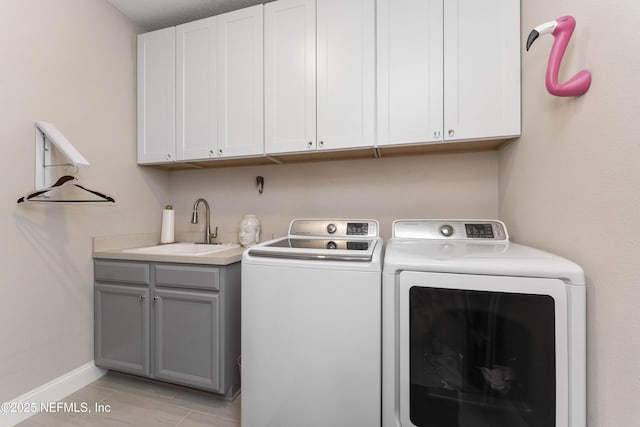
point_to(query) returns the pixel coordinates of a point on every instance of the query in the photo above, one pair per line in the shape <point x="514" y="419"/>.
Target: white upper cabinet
<point x="294" y="76"/>
<point x="448" y="70"/>
<point x="220" y="89"/>
<point x="197" y="89"/>
<point x="410" y="71"/>
<point x="346" y="73"/>
<point x="240" y="83"/>
<point x="331" y="54"/>
<point x="156" y="96"/>
<point x="290" y="75"/>
<point x="482" y="69"/>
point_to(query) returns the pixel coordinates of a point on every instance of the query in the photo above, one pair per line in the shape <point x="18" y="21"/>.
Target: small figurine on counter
<point x="250" y="230"/>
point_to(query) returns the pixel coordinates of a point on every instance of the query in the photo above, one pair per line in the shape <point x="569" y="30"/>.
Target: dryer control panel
<point x="454" y="229"/>
<point x="334" y="228"/>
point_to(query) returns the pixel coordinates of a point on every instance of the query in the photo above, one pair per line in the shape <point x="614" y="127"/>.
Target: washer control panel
<point x="456" y="229"/>
<point x="334" y="228"/>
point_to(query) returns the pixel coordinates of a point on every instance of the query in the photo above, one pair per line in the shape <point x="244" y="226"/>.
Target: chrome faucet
<point x="207" y="229"/>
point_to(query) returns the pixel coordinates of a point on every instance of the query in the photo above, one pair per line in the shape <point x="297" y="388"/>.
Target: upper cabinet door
<point x="240" y="83"/>
<point x="346" y="73"/>
<point x="196" y="73"/>
<point x="410" y="93"/>
<point x="290" y="76"/>
<point x="156" y="96"/>
<point x="482" y="69"/>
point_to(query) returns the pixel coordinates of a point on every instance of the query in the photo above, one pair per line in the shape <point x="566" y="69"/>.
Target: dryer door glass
<point x="481" y="358"/>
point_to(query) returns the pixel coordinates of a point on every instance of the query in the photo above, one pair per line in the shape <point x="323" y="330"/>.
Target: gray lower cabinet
<point x="184" y="352"/>
<point x="122" y="328"/>
<point x="172" y="322"/>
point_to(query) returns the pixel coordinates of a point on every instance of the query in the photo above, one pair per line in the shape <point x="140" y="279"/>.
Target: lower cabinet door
<point x="122" y="328"/>
<point x="187" y="338"/>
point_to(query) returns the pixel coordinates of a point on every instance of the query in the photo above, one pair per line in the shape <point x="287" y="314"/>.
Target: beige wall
<point x="72" y="63"/>
<point x="443" y="185"/>
<point x="571" y="185"/>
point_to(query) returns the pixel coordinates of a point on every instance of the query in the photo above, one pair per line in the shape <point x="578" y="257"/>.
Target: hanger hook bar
<point x="65" y="165"/>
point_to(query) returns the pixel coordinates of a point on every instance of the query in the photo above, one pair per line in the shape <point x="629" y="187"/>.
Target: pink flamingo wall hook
<point x="561" y="29"/>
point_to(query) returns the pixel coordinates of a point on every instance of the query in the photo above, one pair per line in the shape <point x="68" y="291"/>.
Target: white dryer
<point x="479" y="331"/>
<point x="311" y="327"/>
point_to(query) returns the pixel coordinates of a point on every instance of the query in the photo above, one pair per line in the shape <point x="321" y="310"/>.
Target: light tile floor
<point x="138" y="402"/>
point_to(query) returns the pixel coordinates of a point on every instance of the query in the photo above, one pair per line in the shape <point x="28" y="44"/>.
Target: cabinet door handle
<point x="141" y="297"/>
<point x="210" y="152"/>
<point x="156" y="298"/>
<point x="220" y="151"/>
<point x="436" y="134"/>
<point x="321" y="143"/>
<point x="310" y="144"/>
<point x="451" y="132"/>
<point x="168" y="156"/>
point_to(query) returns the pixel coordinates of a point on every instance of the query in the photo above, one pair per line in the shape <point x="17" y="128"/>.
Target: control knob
<point x="331" y="228"/>
<point x="446" y="230"/>
<point x="332" y="245"/>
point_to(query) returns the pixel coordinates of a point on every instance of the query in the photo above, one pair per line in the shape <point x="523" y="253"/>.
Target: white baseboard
<point x="52" y="391"/>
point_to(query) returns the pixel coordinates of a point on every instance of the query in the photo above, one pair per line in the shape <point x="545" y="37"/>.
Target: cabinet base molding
<point x="50" y="392"/>
<point x="324" y="156"/>
<point x="442" y="147"/>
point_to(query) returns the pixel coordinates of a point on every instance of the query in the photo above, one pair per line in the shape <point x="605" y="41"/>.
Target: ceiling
<point x="155" y="14"/>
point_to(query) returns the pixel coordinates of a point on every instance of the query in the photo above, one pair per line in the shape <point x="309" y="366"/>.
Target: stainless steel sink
<point x="189" y="249"/>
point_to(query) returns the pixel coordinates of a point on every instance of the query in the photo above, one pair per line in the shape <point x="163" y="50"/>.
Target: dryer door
<point x="480" y="351"/>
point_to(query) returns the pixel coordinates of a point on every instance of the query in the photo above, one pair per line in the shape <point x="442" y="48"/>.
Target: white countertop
<point x="112" y="247"/>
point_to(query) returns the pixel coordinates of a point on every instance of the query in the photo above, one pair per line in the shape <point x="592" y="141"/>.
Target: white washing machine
<point x="479" y="331"/>
<point x="311" y="327"/>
